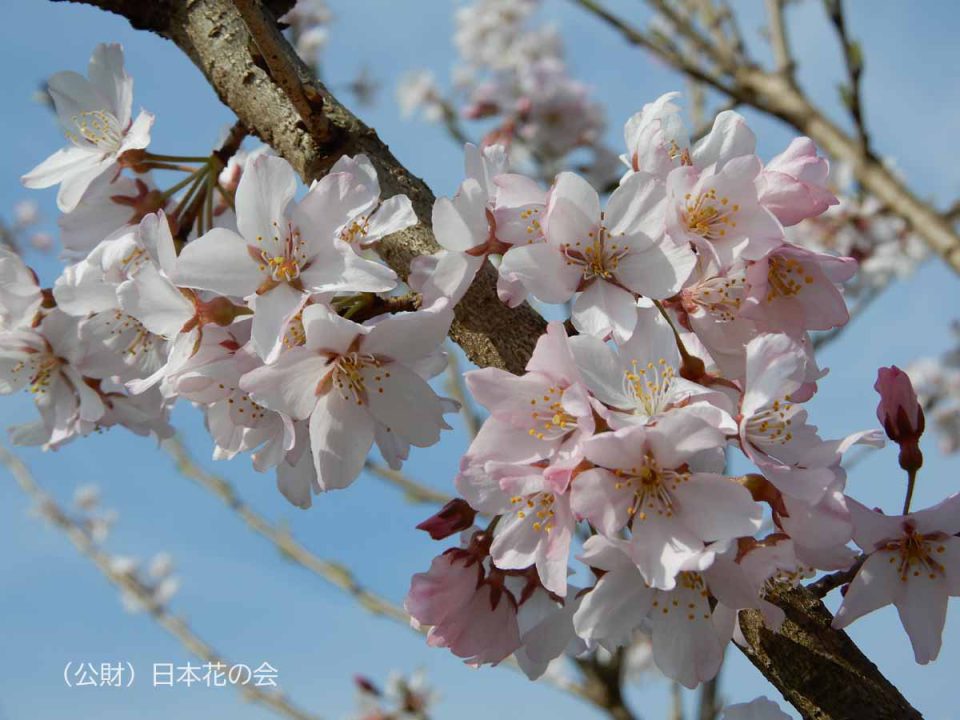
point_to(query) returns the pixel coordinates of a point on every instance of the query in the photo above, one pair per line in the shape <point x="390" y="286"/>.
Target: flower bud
<point x="900" y="414"/>
<point x="453" y="517"/>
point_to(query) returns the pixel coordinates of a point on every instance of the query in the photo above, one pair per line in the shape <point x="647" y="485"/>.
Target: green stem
<point x="180" y="185"/>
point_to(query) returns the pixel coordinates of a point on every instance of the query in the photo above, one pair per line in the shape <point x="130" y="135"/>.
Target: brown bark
<point x="270" y="89"/>
<point x="819" y="670"/>
<point x="259" y="77"/>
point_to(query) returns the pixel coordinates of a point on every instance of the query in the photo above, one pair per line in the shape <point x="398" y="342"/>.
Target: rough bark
<point x="259" y="77"/>
<point x="820" y="670"/>
<point x="271" y="91"/>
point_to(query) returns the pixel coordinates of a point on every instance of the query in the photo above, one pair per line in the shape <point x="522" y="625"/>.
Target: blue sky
<point x="246" y="600"/>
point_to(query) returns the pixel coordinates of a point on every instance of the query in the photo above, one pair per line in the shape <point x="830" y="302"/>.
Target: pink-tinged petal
<point x="876" y="585"/>
<point x="442" y="590"/>
<point x="327" y="331"/>
<point x="461" y="224"/>
<point x="659" y="271"/>
<point x="219" y="261"/>
<point x="505" y="395"/>
<point x="775" y="367"/>
<point x="636" y="207"/>
<point x="483" y="633"/>
<point x="620" y="450"/>
<point x="341" y="435"/>
<point x="266" y="188"/>
<point x="410" y="335"/>
<point x="404" y="403"/>
<point x="614" y="608"/>
<point x="290" y="384"/>
<point x="154" y="301"/>
<point x="73" y="95"/>
<point x="501" y="441"/>
<point x="716" y="508"/>
<point x="872" y="529"/>
<point x="922" y="606"/>
<point x="552" y="355"/>
<point x="943" y="517"/>
<point x="759" y="709"/>
<point x="604" y="309"/>
<point x="156" y="238"/>
<point x="544" y="271"/>
<point x="393" y="215"/>
<point x="332" y="202"/>
<point x="661" y="547"/>
<point x="729" y="137"/>
<point x="686" y="647"/>
<point x="600" y="368"/>
<point x="554" y="555"/>
<point x="596" y="497"/>
<point x="482" y="490"/>
<point x="298" y="482"/>
<point x="444" y="275"/>
<point x="272" y="311"/>
<point x="681" y="434"/>
<point x="573" y="211"/>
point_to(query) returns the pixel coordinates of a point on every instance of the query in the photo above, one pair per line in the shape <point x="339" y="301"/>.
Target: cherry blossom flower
<point x="717" y="210"/>
<point x="913" y="562"/>
<point x="284" y="251"/>
<point x="793" y="185"/>
<point x="45" y="360"/>
<point x="538" y="416"/>
<point x="356" y="383"/>
<point x="605" y="257"/>
<point x="663" y="483"/>
<point x="465" y="609"/>
<point x="759" y="709"/>
<point x="793" y="290"/>
<point x="901" y="415"/>
<point x="95" y="113"/>
<point x="20" y="296"/>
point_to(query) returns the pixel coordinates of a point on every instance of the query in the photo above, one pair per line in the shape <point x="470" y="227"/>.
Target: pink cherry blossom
<point x="284" y="250"/>
<point x="607" y="258"/>
<point x="356" y="383"/>
<point x="913" y="562"/>
<point x="793" y="186"/>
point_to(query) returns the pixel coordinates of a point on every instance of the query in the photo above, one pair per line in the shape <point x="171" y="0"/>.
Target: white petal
<point x="266" y="188"/>
<point x="219" y="261"/>
<point x="404" y="403"/>
<point x="341" y="435"/>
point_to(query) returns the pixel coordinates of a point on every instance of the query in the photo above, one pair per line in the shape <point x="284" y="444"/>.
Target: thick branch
<point x="259" y="76"/>
<point x="748" y="84"/>
<point x="819" y="670"/>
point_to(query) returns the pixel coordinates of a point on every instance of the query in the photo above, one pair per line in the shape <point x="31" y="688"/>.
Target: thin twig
<point x="834" y="580"/>
<point x="413" y="491"/>
<point x="332" y="572"/>
<point x="853" y="59"/>
<point x="780" y="41"/>
<point x="132" y="585"/>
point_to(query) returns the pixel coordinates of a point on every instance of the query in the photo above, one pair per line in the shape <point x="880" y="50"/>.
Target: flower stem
<point x="911" y="481"/>
<point x="177" y="158"/>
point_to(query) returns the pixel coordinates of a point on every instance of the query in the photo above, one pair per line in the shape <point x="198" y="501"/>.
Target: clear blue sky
<point x="248" y="602"/>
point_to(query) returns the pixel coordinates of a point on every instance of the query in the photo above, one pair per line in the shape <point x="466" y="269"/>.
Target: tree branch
<point x="819" y="670"/>
<point x="131" y="584"/>
<point x="748" y="84"/>
<point x="251" y="73"/>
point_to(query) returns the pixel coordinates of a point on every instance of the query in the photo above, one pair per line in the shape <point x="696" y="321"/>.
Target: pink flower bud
<point x="900" y="414"/>
<point x="453" y="517"/>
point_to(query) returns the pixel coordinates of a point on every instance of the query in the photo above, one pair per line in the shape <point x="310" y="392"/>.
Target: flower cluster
<point x="273" y="315"/>
<point x="692" y="314"/>
<point x="512" y="71"/>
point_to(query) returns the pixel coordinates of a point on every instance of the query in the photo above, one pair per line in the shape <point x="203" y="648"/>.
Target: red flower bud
<point x="453" y="517"/>
<point x="900" y="414"/>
